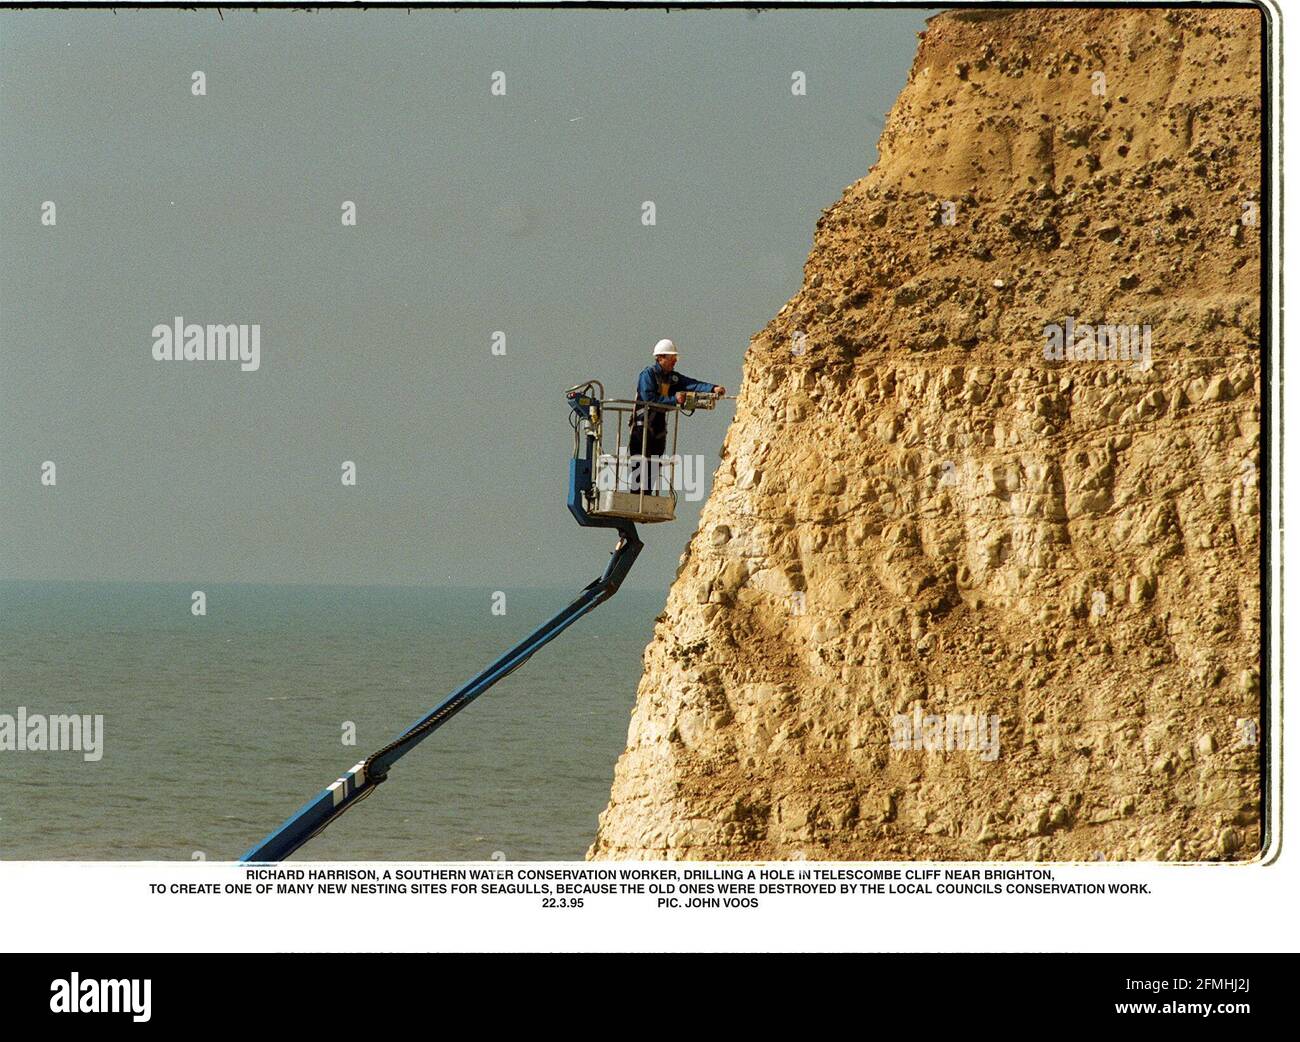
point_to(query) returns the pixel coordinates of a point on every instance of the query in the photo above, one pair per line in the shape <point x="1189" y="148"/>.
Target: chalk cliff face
<point x="951" y="598"/>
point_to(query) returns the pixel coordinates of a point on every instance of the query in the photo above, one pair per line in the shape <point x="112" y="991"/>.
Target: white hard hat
<point x="665" y="347"/>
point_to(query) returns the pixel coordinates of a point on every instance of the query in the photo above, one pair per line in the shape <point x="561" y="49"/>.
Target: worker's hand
<point x="681" y="397"/>
<point x="719" y="391"/>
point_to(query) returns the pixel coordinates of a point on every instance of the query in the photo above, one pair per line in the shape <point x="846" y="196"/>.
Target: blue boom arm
<point x="365" y="777"/>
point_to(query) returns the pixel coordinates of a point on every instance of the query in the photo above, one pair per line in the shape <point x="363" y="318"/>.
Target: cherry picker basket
<point x="627" y="479"/>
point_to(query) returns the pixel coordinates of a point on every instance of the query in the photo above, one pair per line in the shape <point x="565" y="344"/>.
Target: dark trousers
<point x="643" y="473"/>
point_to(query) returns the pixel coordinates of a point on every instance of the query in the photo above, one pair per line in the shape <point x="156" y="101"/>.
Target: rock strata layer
<point x="967" y="586"/>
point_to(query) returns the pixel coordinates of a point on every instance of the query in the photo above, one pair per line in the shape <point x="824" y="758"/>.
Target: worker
<point x="659" y="384"/>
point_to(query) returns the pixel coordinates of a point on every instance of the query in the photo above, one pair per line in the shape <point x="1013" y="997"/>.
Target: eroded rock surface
<point x="917" y="514"/>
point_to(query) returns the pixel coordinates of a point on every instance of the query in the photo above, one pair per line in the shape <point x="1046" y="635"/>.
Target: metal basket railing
<point x="629" y="480"/>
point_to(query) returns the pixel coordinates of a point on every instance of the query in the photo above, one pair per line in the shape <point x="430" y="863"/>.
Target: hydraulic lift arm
<point x="362" y="779"/>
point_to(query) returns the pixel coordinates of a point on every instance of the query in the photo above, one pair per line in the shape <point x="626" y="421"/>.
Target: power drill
<point x="701" y="400"/>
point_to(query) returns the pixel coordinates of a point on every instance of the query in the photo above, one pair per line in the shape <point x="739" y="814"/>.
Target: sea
<point x="216" y="728"/>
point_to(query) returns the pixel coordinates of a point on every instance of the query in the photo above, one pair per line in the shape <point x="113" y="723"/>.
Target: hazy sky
<point x="475" y="213"/>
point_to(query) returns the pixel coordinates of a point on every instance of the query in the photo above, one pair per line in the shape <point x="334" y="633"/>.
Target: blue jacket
<point x="655" y="385"/>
